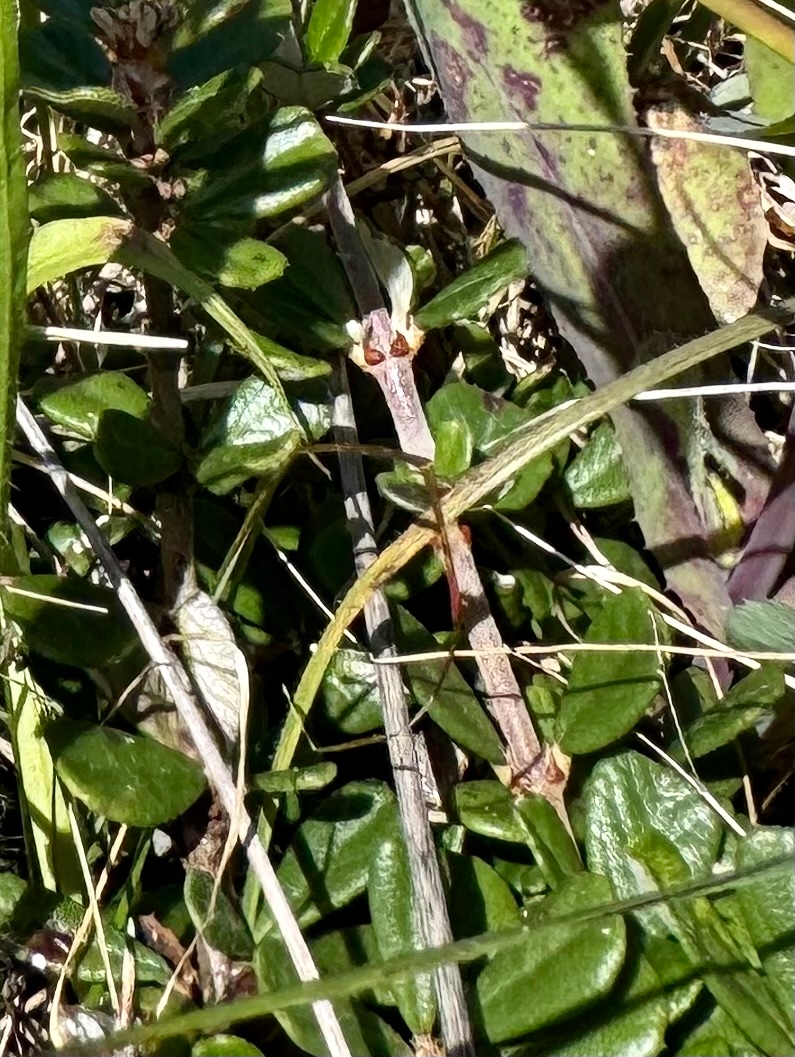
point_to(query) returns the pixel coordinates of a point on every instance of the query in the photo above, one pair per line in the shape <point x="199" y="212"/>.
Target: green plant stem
<point x="217" y="1018"/>
<point x="14" y="227"/>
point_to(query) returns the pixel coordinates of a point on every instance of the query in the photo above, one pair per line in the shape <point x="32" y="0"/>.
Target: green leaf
<point x="712" y="945"/>
<point x="480" y="900"/>
<point x="327" y="862"/>
<point x="609" y="692"/>
<point x="124" y="777"/>
<point x="65" y="246"/>
<point x="551" y="844"/>
<point x="105" y="162"/>
<point x="439" y="686"/>
<point x="465" y="297"/>
<point x="66" y="633"/>
<point x="484" y="420"/>
<point x="60" y="55"/>
<point x="65" y="195"/>
<point x="562" y="970"/>
<point x="631" y="1020"/>
<point x="224" y="929"/>
<point x="766" y="909"/>
<point x="49" y="840"/>
<point x="745" y="705"/>
<point x="349" y="695"/>
<point x="597" y="477"/>
<point x="486" y="807"/>
<point x="224" y="1046"/>
<point x="253" y="433"/>
<point x="78" y="404"/>
<point x="12" y="889"/>
<point x="100" y="108"/>
<point x="242" y="263"/>
<point x="296" y="779"/>
<point x="651" y="26"/>
<point x="265" y="172"/>
<point x="764" y="626"/>
<point x="14" y="225"/>
<point x="152" y="256"/>
<point x="352" y="947"/>
<point x="391" y="900"/>
<point x="329" y="28"/>
<point x="628" y="798"/>
<point x="216" y="35"/>
<point x="207" y="112"/>
<point x="133" y="451"/>
<point x="770" y="77"/>
<point x="311" y="303"/>
<point x="150" y="967"/>
<point x="364" y="1031"/>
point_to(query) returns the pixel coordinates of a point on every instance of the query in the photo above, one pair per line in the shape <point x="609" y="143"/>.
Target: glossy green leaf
<point x="242" y="263"/>
<point x="364" y="1031"/>
<point x="465" y="297"/>
<point x="224" y="1046"/>
<point x="327" y="862"/>
<point x="98" y="107"/>
<point x="65" y="195"/>
<point x="152" y="256"/>
<point x="132" y="450"/>
<point x="77" y="404"/>
<point x="224" y="929"/>
<point x="329" y="28"/>
<point x="350" y="699"/>
<point x="628" y="798"/>
<point x="150" y="967"/>
<point x="631" y="1020"/>
<point x="479" y="899"/>
<point x="712" y="945"/>
<point x="253" y="433"/>
<point x="487" y="420"/>
<point x="207" y="112"/>
<point x="609" y="692"/>
<point x="597" y="476"/>
<point x="65" y="246"/>
<point x="762" y="626"/>
<point x="486" y="807"/>
<point x="62" y="631"/>
<point x="551" y="844"/>
<point x="554" y="973"/>
<point x="766" y="909"/>
<point x="717" y="1036"/>
<point x="391" y="899"/>
<point x="296" y="780"/>
<point x="439" y="686"/>
<point x="269" y="170"/>
<point x="746" y="704"/>
<point x="124" y="777"/>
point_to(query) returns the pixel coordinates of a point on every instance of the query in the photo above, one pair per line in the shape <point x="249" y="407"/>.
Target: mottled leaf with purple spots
<point x="600" y="243"/>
